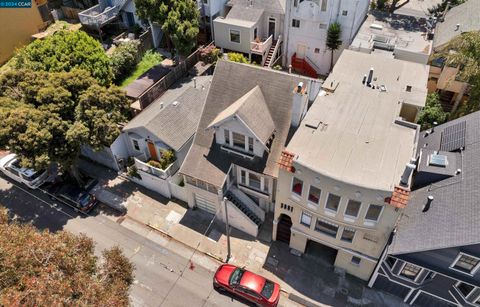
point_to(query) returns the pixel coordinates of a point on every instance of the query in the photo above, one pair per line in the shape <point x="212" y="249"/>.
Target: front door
<point x="271" y="27"/>
<point x="152" y="150"/>
<point x="284" y="228"/>
<point x="301" y="50"/>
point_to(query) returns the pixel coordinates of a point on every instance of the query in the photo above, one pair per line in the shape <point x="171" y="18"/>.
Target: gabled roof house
<point x="249" y="114"/>
<point x="434" y="257"/>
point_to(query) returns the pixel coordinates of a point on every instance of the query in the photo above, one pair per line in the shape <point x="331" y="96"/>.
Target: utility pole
<point x="227" y="230"/>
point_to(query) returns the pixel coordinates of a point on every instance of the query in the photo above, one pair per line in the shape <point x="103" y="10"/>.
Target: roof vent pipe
<point x="364" y="79"/>
<point x="194" y="82"/>
<point x="457" y="26"/>
<point x="406" y="173"/>
<point x="370" y="76"/>
<point x="428" y="204"/>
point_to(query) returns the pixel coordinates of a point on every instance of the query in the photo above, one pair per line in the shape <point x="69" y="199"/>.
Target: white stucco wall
<point x="222" y="29"/>
<point x="235" y="126"/>
<point x="313" y="36"/>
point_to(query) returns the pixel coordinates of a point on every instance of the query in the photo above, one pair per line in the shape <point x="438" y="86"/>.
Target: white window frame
<point x="311" y="219"/>
<point x="469" y="294"/>
<point x="473" y="271"/>
<point x="319" y="196"/>
<point x="399" y="274"/>
<point x="138" y="144"/>
<point x="349" y="229"/>
<point x="229" y="137"/>
<point x="230" y="36"/>
<point x="247" y="181"/>
<point x="379" y="215"/>
<point x="355" y="264"/>
<point x="295" y="195"/>
<point x="326" y="200"/>
<point x="351" y="216"/>
<point x="297" y="22"/>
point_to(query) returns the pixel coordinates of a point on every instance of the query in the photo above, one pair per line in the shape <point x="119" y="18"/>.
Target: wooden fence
<point x="70" y="12"/>
<point x="162" y="85"/>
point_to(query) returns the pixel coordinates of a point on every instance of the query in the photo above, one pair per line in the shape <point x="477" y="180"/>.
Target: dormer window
<point x="238" y="140"/>
<point x="227" y="136"/>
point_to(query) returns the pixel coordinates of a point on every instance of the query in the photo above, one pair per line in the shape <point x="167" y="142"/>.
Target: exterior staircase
<point x="270" y="54"/>
<point x="249" y="213"/>
<point x="446" y="100"/>
<point x="303" y="66"/>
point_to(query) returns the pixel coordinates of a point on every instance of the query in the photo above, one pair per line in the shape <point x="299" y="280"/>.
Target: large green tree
<point x="40" y="268"/>
<point x="334" y="42"/>
<point x="464" y="52"/>
<point x="179" y="20"/>
<point x="65" y="51"/>
<point x="47" y="117"/>
<point x="433" y="112"/>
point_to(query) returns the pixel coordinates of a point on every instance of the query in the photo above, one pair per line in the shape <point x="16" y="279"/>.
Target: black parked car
<point x="77" y="197"/>
<point x="69" y="191"/>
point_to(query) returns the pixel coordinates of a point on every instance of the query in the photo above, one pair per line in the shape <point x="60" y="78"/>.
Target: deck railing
<point x="261" y="47"/>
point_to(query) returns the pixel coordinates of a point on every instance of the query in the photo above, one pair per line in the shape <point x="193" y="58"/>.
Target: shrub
<point x="237" y="57"/>
<point x="124" y="59"/>
<point x="155" y="164"/>
<point x="277" y="67"/>
<point x="210" y="54"/>
<point x="168" y="157"/>
<point x="433" y="112"/>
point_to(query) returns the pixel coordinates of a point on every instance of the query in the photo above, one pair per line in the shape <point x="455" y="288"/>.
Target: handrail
<point x="275" y="50"/>
<point x="307" y="59"/>
<point x="261" y="47"/>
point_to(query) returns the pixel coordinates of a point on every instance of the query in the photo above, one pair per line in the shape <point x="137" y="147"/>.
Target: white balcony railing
<point x="261" y="47"/>
<point x="97" y="18"/>
<point x="163" y="174"/>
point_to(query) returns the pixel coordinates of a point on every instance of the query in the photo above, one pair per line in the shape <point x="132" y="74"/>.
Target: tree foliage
<point x="124" y="59"/>
<point x="58" y="269"/>
<point x="65" y="51"/>
<point x="464" y="52"/>
<point x="47" y="117"/>
<point x="334" y="42"/>
<point x="179" y="20"/>
<point x="433" y="112"/>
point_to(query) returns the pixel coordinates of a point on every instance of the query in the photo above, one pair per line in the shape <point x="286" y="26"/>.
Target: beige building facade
<point x="345" y="174"/>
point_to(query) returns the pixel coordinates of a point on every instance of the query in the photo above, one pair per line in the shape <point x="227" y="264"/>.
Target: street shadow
<point x="234" y="297"/>
<point x="37" y="208"/>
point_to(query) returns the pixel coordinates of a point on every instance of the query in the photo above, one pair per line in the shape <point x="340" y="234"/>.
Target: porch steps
<point x="234" y="200"/>
<point x="270" y="54"/>
<point x="446" y="100"/>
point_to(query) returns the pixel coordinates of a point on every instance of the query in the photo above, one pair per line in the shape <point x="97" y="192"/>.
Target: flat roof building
<point x="347" y="176"/>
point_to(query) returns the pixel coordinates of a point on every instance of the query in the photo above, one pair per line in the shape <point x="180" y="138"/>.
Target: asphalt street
<point x="163" y="277"/>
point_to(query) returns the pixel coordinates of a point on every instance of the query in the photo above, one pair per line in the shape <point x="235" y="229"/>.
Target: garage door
<point x="205" y="204"/>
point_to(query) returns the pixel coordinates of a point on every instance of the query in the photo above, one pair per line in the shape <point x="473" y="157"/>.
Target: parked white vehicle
<point x="10" y="166"/>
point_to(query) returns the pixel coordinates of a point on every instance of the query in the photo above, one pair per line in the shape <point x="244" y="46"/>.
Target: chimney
<point x="406" y="173"/>
<point x="428" y="204"/>
<point x="370" y="76"/>
<point x="299" y="104"/>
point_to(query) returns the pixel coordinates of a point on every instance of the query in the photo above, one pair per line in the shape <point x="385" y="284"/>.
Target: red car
<point x="248" y="285"/>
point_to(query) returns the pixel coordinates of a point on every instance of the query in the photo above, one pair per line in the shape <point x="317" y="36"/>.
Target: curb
<point x="210" y="255"/>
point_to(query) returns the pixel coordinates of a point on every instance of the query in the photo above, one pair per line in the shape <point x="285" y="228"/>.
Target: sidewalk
<point x="304" y="279"/>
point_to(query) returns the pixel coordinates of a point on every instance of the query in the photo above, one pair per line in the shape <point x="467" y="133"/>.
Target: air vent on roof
<point x="312" y="123"/>
<point x="453" y="137"/>
<point x="175" y="103"/>
<point x="438" y="160"/>
<point x="376" y="26"/>
<point x="380" y="39"/>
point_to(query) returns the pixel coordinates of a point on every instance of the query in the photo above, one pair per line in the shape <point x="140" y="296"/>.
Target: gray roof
<point x="245" y="13"/>
<point x="271" y="6"/>
<point x="252" y="109"/>
<point x="147" y="79"/>
<point x="466" y="15"/>
<point x="174" y="123"/>
<point x="453" y="218"/>
<point x="206" y="160"/>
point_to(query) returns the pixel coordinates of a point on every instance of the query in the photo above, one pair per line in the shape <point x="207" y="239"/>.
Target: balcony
<point x="101" y="14"/>
<point x="160" y="173"/>
<point x="261" y="47"/>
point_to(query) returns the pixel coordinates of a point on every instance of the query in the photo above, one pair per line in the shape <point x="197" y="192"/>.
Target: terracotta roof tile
<point x="286" y="161"/>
